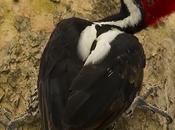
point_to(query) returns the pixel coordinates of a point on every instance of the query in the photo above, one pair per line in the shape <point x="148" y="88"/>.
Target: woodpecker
<point x="91" y="72"/>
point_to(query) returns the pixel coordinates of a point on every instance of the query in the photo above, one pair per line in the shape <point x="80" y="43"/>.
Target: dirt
<point x="25" y="27"/>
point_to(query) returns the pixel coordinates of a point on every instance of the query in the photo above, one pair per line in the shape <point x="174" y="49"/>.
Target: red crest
<point x="156" y="9"/>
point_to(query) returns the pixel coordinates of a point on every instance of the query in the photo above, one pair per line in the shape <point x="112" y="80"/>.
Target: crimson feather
<point x="156" y="9"/>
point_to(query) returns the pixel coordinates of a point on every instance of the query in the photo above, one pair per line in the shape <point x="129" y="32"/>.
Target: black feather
<point x="77" y="97"/>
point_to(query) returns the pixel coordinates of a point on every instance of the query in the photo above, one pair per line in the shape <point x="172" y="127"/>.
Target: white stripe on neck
<point x="132" y="20"/>
<point x="102" y="47"/>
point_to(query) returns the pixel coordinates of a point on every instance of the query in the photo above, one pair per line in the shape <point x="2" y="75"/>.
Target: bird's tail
<point x="156" y="9"/>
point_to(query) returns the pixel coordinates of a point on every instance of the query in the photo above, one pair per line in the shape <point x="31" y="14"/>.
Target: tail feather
<point x="156" y="9"/>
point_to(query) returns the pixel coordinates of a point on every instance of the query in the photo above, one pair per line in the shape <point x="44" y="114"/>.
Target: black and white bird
<point x="91" y="72"/>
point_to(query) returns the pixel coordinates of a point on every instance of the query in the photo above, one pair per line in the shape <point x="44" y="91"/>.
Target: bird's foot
<point x="14" y="124"/>
<point x="129" y="112"/>
<point x="154" y="109"/>
<point x="19" y="121"/>
<point x="139" y="102"/>
<point x="31" y="114"/>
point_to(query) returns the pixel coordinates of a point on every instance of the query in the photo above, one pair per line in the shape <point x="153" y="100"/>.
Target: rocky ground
<point x="25" y="26"/>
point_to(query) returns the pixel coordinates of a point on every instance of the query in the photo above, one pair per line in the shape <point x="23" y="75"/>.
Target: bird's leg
<point x="32" y="113"/>
<point x="19" y="121"/>
<point x="141" y="103"/>
<point x="155" y="109"/>
<point x="14" y="124"/>
<point x="137" y="101"/>
<point x="129" y="112"/>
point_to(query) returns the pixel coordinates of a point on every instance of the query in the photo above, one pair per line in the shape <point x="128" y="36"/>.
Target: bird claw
<point x="150" y="92"/>
<point x="141" y="103"/>
<point x="129" y="113"/>
<point x="12" y="126"/>
<point x="169" y="119"/>
<point x="31" y="114"/>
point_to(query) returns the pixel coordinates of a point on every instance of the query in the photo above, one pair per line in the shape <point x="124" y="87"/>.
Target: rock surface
<point x="25" y="27"/>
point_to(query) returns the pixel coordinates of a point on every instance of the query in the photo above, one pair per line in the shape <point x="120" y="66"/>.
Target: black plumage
<point x="77" y="97"/>
<point x="101" y="93"/>
<point x="59" y="65"/>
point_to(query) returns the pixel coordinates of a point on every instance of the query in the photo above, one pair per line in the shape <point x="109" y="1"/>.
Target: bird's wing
<point x="97" y="96"/>
<point x="49" y="85"/>
<point x="94" y="98"/>
<point x="57" y="69"/>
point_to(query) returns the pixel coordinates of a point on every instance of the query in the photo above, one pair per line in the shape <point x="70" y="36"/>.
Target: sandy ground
<point x="25" y="26"/>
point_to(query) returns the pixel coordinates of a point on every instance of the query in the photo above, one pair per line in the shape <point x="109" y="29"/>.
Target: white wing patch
<point x="87" y="37"/>
<point x="132" y="20"/>
<point x="97" y="55"/>
<point x="89" y="34"/>
<point x="102" y="47"/>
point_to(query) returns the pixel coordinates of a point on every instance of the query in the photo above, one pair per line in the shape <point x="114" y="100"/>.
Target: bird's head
<point x="154" y="10"/>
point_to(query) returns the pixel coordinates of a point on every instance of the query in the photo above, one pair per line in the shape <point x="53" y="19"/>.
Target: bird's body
<point x="91" y="72"/>
<point x="101" y="92"/>
<point x="90" y="96"/>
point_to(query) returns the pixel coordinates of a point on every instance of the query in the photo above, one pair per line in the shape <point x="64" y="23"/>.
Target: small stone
<point x="12" y="84"/>
<point x="1" y="15"/>
<point x="6" y="114"/>
<point x="35" y="40"/>
<point x="16" y="0"/>
<point x="56" y="1"/>
<point x="1" y="19"/>
<point x="1" y="97"/>
<point x="22" y="23"/>
<point x="13" y="77"/>
<point x="16" y="102"/>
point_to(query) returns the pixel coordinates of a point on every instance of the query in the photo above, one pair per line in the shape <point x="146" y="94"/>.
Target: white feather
<point x="87" y="37"/>
<point x="103" y="47"/>
<point x="132" y="20"/>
